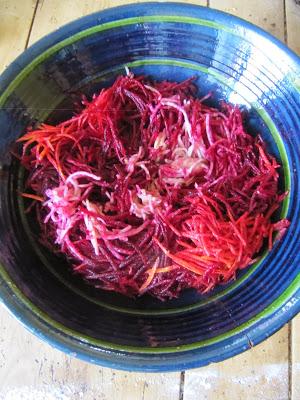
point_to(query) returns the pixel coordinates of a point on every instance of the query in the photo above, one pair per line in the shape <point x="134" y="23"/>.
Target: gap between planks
<point x="31" y="25"/>
<point x="289" y="31"/>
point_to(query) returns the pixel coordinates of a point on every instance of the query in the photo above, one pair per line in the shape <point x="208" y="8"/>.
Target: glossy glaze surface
<point x="164" y="41"/>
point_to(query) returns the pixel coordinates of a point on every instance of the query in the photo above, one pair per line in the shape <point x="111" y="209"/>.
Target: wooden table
<point x="32" y="370"/>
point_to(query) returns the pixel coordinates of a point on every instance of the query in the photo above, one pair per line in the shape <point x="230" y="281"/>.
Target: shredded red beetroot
<point x="149" y="190"/>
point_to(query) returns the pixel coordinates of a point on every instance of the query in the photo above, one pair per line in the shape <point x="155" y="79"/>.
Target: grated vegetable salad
<point x="149" y="190"/>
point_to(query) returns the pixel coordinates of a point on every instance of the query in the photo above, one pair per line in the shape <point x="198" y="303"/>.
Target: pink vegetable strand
<point x="150" y="190"/>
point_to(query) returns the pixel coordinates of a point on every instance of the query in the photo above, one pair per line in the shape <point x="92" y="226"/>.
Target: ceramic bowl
<point x="235" y="60"/>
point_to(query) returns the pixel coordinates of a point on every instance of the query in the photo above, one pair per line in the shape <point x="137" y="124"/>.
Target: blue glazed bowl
<point x="237" y="62"/>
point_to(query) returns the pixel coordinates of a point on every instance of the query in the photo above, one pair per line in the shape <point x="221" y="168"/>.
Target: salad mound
<point x="149" y="190"/>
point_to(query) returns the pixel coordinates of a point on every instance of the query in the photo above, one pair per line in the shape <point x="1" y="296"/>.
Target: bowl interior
<point x="230" y="64"/>
<point x="65" y="109"/>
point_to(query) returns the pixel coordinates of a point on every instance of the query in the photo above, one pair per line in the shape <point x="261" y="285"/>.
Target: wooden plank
<point x="268" y="14"/>
<point x="293" y="25"/>
<point x="293" y="41"/>
<point x="55" y="13"/>
<point x="15" y="18"/>
<point x="31" y="369"/>
<point x="261" y="373"/>
<point x="295" y="359"/>
<point x="258" y="374"/>
<point x="292" y="10"/>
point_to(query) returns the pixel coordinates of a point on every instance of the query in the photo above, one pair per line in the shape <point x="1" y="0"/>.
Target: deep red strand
<point x="149" y="190"/>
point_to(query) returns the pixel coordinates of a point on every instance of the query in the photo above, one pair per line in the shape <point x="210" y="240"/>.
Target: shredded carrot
<point x="151" y="272"/>
<point x="33" y="196"/>
<point x="148" y="171"/>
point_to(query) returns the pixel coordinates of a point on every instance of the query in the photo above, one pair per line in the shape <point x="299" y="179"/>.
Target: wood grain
<point x="31" y="369"/>
<point x="295" y="359"/>
<point x="293" y="26"/>
<point x="52" y="14"/>
<point x="293" y="40"/>
<point x="15" y="22"/>
<point x="259" y="374"/>
<point x="268" y="14"/>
